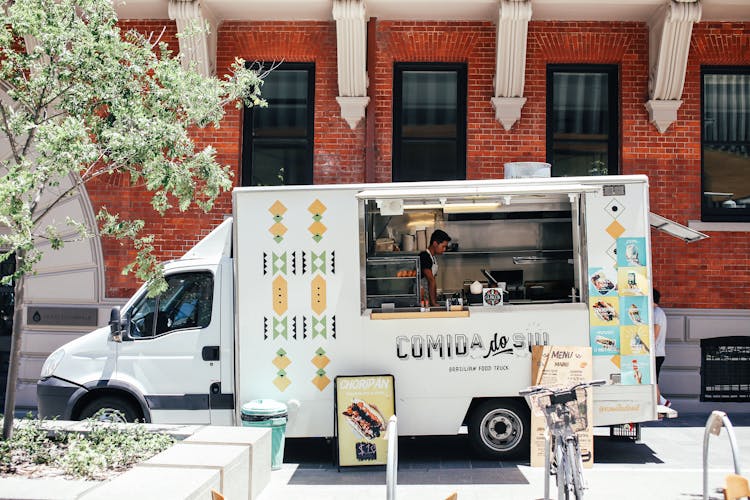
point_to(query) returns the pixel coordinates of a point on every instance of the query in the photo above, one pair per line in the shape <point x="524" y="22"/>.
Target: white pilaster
<point x="196" y="28"/>
<point x="669" y="43"/>
<point x="510" y="60"/>
<point x="351" y="49"/>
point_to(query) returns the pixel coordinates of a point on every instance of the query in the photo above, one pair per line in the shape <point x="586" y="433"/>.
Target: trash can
<point x="271" y="414"/>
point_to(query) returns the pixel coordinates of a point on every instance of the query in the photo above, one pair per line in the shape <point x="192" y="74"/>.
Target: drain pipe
<point x="715" y="421"/>
<point x="391" y="467"/>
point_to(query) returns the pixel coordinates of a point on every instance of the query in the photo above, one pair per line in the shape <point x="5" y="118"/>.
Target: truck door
<point x="173" y="357"/>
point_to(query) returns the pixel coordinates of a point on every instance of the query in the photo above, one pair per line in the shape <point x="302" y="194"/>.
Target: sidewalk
<point x="666" y="464"/>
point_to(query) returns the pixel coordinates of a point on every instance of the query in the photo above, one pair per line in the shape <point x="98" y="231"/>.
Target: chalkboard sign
<point x="363" y="405"/>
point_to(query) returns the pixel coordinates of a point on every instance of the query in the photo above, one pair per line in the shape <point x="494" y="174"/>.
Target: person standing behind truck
<point x="429" y="266"/>
<point x="660" y="340"/>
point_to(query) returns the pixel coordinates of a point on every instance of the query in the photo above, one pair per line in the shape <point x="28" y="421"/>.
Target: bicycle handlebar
<point x="537" y="389"/>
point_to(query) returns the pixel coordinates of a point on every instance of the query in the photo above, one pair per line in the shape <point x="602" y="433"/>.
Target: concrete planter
<point x="234" y="461"/>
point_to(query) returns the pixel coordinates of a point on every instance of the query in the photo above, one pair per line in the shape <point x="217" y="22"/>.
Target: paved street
<point x="666" y="464"/>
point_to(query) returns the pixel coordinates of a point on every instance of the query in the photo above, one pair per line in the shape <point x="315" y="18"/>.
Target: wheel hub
<point x="501" y="430"/>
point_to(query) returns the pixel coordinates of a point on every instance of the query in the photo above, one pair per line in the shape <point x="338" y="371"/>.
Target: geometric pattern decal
<point x="319" y="327"/>
<point x="324" y="326"/>
<point x="279" y="291"/>
<point x="280" y="327"/>
<point x="615" y="229"/>
<point x="320" y="361"/>
<point x="279" y="263"/>
<point x="318" y="294"/>
<point x="614" y="208"/>
<point x="317" y="228"/>
<point x="318" y="262"/>
<point x="277" y="229"/>
<point x="281" y="361"/>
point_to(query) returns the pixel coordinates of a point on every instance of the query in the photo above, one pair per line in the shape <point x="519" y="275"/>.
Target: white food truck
<point x="306" y="283"/>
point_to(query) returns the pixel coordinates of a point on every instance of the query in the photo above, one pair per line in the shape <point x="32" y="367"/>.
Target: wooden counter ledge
<point x="418" y="314"/>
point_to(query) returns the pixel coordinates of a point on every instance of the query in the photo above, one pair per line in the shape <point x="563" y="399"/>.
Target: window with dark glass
<point x="186" y="304"/>
<point x="429" y="122"/>
<point x="582" y="120"/>
<point x="278" y="140"/>
<point x="725" y="144"/>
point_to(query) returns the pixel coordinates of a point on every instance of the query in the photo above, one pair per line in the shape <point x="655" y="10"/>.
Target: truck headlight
<point x="50" y="365"/>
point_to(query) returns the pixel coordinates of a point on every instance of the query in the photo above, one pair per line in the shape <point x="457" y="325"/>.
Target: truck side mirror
<point x="119" y="327"/>
<point x="115" y="324"/>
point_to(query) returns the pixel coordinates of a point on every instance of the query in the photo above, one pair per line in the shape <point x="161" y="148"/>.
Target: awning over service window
<point x="674" y="228"/>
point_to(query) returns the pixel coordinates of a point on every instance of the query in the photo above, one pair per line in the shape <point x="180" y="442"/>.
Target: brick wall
<point x="708" y="274"/>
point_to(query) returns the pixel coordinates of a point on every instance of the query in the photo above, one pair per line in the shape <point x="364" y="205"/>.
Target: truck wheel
<point x="499" y="429"/>
<point x="113" y="409"/>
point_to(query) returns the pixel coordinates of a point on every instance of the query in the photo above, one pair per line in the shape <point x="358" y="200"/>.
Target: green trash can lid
<point x="264" y="408"/>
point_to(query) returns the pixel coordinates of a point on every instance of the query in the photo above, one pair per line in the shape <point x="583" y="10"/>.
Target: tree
<point x="84" y="99"/>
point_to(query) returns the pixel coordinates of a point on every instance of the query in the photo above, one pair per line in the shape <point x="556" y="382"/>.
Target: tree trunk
<point x="15" y="351"/>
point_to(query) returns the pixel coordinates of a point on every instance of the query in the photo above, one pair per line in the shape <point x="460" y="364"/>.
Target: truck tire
<point x="499" y="429"/>
<point x="114" y="409"/>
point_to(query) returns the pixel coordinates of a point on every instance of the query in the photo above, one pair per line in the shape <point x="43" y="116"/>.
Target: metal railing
<point x="715" y="422"/>
<point x="391" y="464"/>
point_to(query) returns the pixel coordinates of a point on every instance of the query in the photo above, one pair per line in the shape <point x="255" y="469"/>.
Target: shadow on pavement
<point x="609" y="450"/>
<point x="422" y="460"/>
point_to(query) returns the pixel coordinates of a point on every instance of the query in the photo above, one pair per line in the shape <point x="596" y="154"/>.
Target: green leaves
<point x="95" y="454"/>
<point x="84" y="100"/>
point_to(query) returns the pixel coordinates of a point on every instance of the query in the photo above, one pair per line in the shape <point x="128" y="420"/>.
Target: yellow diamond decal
<point x="317" y="227"/>
<point x="320" y="362"/>
<point x="281" y="383"/>
<point x="281" y="362"/>
<point x="615" y="361"/>
<point x="277" y="208"/>
<point x="317" y="207"/>
<point x="321" y="382"/>
<point x="278" y="229"/>
<point x="615" y="229"/>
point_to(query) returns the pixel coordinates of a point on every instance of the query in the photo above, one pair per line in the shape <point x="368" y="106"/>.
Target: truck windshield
<point x="187" y="303"/>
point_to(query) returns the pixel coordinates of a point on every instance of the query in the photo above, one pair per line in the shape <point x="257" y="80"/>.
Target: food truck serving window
<point x="526" y="243"/>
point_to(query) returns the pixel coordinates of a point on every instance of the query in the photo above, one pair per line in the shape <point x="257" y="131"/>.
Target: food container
<point x="421" y="239"/>
<point x="408" y="242"/>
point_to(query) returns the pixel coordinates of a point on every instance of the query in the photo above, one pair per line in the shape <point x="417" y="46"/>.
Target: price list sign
<point x="363" y="406"/>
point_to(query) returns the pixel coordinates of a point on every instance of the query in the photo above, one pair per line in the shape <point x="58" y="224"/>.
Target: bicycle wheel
<point x="576" y="466"/>
<point x="563" y="469"/>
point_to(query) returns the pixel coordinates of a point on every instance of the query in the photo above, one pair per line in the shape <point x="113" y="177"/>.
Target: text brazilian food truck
<point x="306" y="283"/>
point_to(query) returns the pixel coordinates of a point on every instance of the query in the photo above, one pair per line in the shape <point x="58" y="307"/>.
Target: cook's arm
<point x="432" y="285"/>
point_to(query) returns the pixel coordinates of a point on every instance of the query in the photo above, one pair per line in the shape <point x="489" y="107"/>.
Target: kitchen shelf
<point x="507" y="252"/>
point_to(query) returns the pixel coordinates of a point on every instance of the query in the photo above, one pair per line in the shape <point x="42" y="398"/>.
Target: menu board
<point x="558" y="367"/>
<point x="363" y="406"/>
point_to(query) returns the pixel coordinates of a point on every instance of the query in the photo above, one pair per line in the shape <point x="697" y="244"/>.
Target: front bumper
<point x="56" y="397"/>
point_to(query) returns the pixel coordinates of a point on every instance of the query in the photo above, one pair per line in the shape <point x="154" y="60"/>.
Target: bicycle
<point x="565" y="413"/>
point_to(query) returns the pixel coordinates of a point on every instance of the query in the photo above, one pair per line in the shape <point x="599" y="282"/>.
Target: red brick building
<point x="659" y="87"/>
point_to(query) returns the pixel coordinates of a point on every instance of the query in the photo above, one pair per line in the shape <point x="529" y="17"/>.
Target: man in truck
<point x="429" y="266"/>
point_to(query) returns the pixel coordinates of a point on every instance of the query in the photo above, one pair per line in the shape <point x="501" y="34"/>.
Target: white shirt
<point x="660" y="319"/>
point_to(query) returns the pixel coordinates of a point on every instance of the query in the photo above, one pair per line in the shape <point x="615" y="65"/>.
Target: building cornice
<point x="351" y="52"/>
<point x="196" y="27"/>
<point x="669" y="43"/>
<point x="510" y="60"/>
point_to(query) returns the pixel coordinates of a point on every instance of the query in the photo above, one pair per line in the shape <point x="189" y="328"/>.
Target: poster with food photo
<point x="363" y="406"/>
<point x="632" y="281"/>
<point x="605" y="340"/>
<point x="635" y="370"/>
<point x="634" y="340"/>
<point x="600" y="282"/>
<point x="631" y="252"/>
<point x="635" y="310"/>
<point x="604" y="311"/>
